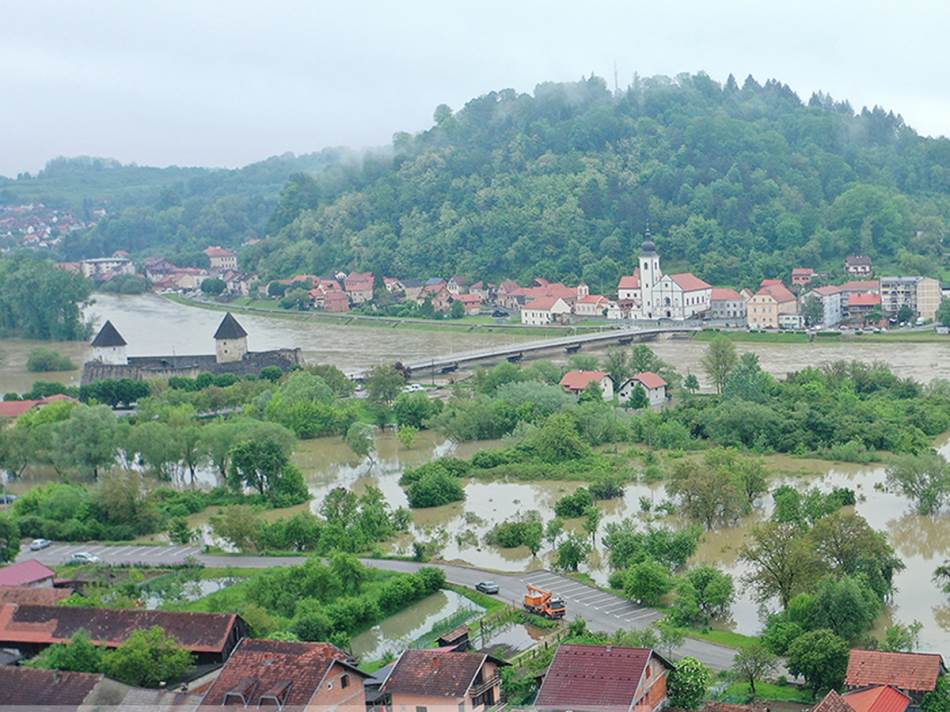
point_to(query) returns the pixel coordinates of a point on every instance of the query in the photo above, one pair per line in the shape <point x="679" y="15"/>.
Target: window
<point x="420" y="708"/>
<point x="344" y="681"/>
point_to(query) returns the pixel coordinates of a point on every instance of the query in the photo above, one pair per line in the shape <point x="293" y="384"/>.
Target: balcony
<point x="478" y="688"/>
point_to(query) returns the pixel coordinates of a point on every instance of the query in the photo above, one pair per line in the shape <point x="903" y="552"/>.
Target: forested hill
<point x="171" y="210"/>
<point x="735" y="183"/>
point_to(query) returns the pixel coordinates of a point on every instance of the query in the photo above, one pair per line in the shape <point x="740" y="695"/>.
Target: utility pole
<point x="616" y="83"/>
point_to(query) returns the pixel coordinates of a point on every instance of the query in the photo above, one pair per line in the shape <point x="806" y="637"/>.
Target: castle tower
<point x="582" y="290"/>
<point x="650" y="274"/>
<point x="230" y="340"/>
<point x="109" y="346"/>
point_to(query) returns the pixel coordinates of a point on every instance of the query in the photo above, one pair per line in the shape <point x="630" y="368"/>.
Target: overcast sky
<point x="230" y="82"/>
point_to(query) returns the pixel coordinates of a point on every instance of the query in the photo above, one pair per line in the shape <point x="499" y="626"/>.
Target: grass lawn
<point x="795" y="337"/>
<point x="725" y="638"/>
<point x="739" y="691"/>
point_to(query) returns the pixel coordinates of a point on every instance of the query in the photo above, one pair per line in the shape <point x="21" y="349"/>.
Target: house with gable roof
<point x="914" y="674"/>
<point x="652" y="294"/>
<point x="652" y="383"/>
<point x="604" y="678"/>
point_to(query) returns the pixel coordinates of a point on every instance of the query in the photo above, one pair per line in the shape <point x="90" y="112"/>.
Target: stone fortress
<point x="109" y="359"/>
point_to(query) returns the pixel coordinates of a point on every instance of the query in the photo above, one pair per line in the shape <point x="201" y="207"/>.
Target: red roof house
<point x="864" y="300"/>
<point x="689" y="282"/>
<point x="913" y="673"/>
<point x="877" y="699"/>
<point x="28" y="689"/>
<point x="34" y="595"/>
<point x="444" y="677"/>
<point x="283" y="674"/>
<point x="724" y="294"/>
<point x="26" y="573"/>
<point x="604" y="678"/>
<point x="14" y="409"/>
<point x="577" y="381"/>
<point x="211" y="636"/>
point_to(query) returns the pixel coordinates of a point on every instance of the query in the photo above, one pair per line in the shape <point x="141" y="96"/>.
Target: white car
<point x="84" y="557"/>
<point x="38" y="544"/>
<point x="413" y="388"/>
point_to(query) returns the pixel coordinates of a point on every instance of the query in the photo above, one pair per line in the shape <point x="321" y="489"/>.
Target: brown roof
<point x="778" y="291"/>
<point x="689" y="282"/>
<point x="917" y="672"/>
<point x="864" y="300"/>
<point x="832" y="702"/>
<point x="857" y="260"/>
<point x="649" y="379"/>
<point x="712" y="706"/>
<point x="861" y="285"/>
<point x="24" y="572"/>
<point x="542" y="303"/>
<point x="33" y="595"/>
<point x="877" y="699"/>
<point x="198" y="632"/>
<point x="724" y="294"/>
<point x="289" y="672"/>
<point x="802" y="271"/>
<point x="437" y="672"/>
<point x="579" y="380"/>
<point x="827" y="290"/>
<point x="45" y="689"/>
<point x="594" y="676"/>
<point x="629" y="281"/>
<point x="216" y="251"/>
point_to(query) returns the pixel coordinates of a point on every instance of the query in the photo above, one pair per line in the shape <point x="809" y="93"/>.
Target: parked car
<point x="489" y="587"/>
<point x="500" y="314"/>
<point x="413" y="388"/>
<point x="84" y="557"/>
<point x="7" y="498"/>
<point x="38" y="544"/>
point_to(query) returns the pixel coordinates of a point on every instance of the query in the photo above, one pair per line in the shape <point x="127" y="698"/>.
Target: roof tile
<point x="917" y="672"/>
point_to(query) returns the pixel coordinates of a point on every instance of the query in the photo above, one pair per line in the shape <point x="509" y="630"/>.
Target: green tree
<point x="87" y="440"/>
<point x="691" y="383"/>
<point x="9" y="539"/>
<point x="457" y="310"/>
<point x="213" y="286"/>
<point x="383" y="384"/>
<point x="754" y="662"/>
<point x="647" y="582"/>
<point x="415" y="409"/>
<point x="782" y="562"/>
<point x="924" y="478"/>
<point x="821" y="657"/>
<point x="617" y="365"/>
<point x="813" y="311"/>
<point x="706" y="590"/>
<point x="592" y="517"/>
<point x="256" y="464"/>
<point x="42" y="360"/>
<point x="938" y="699"/>
<point x="686" y="684"/>
<point x="943" y="313"/>
<point x="638" y="398"/>
<point x="359" y="438"/>
<point x="147" y="658"/>
<point x="905" y="314"/>
<point x="179" y="532"/>
<point x="571" y="553"/>
<point x="78" y="655"/>
<point x="847" y="606"/>
<point x="435" y="489"/>
<point x="902" y="638"/>
<point x="719" y="360"/>
<point x="669" y="636"/>
<point x="553" y="530"/>
<point x="407" y="435"/>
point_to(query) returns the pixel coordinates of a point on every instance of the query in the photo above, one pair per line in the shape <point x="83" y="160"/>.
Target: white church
<point x="650" y="294"/>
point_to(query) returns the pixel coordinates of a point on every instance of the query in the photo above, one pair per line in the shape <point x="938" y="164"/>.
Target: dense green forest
<point x="172" y="211"/>
<point x="737" y="183"/>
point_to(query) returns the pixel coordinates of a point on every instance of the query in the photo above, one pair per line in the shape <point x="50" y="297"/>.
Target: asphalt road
<point x="602" y="611"/>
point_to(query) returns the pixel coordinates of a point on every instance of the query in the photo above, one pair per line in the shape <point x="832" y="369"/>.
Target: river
<point x="923" y="542"/>
<point x="153" y="325"/>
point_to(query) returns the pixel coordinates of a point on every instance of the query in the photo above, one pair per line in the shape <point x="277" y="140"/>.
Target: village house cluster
<point x="38" y="226"/>
<point x="235" y="670"/>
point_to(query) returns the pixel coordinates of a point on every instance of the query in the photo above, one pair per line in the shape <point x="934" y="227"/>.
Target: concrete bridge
<point x="534" y="349"/>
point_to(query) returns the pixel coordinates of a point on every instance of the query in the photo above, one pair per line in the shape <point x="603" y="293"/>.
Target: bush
<point x="42" y="360"/>
<point x="435" y="489"/>
<point x="573" y="505"/>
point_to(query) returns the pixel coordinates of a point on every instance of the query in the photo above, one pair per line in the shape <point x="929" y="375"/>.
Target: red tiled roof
<point x="14" y="409"/>
<point x="198" y="632"/>
<point x="579" y="380"/>
<point x="629" y="281"/>
<point x="689" y="282"/>
<point x="827" y="290"/>
<point x="542" y="303"/>
<point x="877" y="699"/>
<point x="917" y="672"/>
<point x="649" y="379"/>
<point x="832" y="702"/>
<point x="594" y="299"/>
<point x="33" y="595"/>
<point x="864" y="300"/>
<point x="724" y="294"/>
<point x="24" y="573"/>
<point x="216" y="251"/>
<point x="292" y="672"/>
<point x="861" y="285"/>
<point x="468" y="298"/>
<point x="778" y="291"/>
<point x="803" y="271"/>
<point x="437" y="672"/>
<point x="45" y="689"/>
<point x="593" y="676"/>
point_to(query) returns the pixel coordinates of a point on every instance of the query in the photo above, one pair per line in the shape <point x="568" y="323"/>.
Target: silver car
<point x="84" y="557"/>
<point x="39" y="544"/>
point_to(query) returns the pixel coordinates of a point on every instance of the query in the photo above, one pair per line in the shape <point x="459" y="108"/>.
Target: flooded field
<point x="153" y="325"/>
<point x="923" y="542"/>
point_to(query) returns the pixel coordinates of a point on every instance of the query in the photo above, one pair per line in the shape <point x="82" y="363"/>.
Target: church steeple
<point x="650" y="274"/>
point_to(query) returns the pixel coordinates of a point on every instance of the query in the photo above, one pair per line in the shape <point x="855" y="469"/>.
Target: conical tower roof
<point x="108" y="336"/>
<point x="229" y="328"/>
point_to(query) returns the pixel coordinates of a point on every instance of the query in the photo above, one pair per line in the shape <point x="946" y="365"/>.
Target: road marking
<point x="599" y="597"/>
<point x="644" y="614"/>
<point x="613" y="608"/>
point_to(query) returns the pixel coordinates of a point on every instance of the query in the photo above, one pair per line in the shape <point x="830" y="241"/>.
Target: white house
<point x="577" y="381"/>
<point x="544" y="311"/>
<point x="830" y="299"/>
<point x="727" y="305"/>
<point x="652" y="383"/>
<point x="591" y="305"/>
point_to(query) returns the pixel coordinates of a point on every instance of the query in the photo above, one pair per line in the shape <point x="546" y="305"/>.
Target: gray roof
<point x="229" y="328"/>
<point x="108" y="336"/>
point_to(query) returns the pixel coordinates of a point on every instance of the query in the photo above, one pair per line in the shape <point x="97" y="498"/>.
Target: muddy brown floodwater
<point x="152" y="325"/>
<point x="923" y="542"/>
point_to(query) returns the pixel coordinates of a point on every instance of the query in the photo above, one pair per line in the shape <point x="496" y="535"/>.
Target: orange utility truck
<point x="544" y="603"/>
